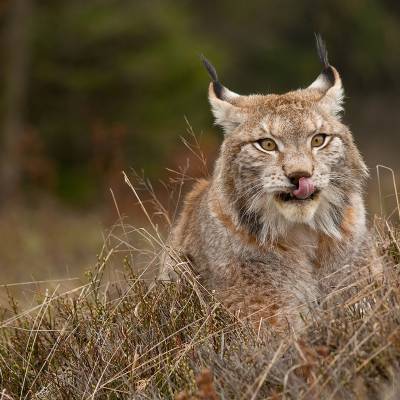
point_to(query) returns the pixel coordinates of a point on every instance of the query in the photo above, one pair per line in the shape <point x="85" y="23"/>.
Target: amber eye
<point x="318" y="140"/>
<point x="268" y="144"/>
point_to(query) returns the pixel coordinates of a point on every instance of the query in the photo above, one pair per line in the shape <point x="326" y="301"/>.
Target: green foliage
<point x="107" y="63"/>
<point x="98" y="65"/>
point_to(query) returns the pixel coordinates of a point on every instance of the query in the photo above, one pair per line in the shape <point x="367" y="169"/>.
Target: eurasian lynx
<point x="284" y="206"/>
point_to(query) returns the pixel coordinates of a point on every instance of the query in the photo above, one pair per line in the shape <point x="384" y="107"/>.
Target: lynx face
<point x="292" y="162"/>
<point x="287" y="159"/>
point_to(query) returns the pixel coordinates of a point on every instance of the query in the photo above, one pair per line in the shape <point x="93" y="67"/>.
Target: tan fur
<point x="229" y="224"/>
<point x="265" y="257"/>
<point x="349" y="219"/>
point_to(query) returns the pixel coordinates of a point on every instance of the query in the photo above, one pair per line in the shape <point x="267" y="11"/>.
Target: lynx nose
<point x="294" y="177"/>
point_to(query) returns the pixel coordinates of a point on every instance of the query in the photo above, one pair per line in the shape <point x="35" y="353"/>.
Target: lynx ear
<point x="328" y="82"/>
<point x="223" y="102"/>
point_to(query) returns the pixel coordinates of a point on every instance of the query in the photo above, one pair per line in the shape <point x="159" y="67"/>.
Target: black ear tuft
<point x="322" y="51"/>
<point x="323" y="56"/>
<point x="210" y="68"/>
<point x="218" y="88"/>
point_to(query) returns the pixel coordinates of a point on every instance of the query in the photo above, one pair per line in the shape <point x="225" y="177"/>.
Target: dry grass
<point x="46" y="242"/>
<point x="122" y="340"/>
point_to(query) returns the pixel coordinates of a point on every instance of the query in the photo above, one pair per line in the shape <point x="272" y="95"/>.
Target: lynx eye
<point x="267" y="144"/>
<point x="318" y="140"/>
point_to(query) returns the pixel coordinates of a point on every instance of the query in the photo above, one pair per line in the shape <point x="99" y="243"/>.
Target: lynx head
<point x="286" y="159"/>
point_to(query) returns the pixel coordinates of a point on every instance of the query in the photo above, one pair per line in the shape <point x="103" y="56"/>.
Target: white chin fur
<point x="298" y="212"/>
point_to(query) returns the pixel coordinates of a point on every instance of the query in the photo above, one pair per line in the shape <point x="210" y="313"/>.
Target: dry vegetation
<point x="122" y="339"/>
<point x="46" y="242"/>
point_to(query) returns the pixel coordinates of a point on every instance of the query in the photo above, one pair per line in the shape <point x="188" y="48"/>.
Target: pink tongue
<point x="305" y="190"/>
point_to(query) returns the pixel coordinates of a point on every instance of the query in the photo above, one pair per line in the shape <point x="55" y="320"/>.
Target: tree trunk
<point x="16" y="57"/>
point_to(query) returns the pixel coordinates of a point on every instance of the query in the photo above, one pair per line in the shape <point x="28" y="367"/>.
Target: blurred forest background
<point x="91" y="88"/>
